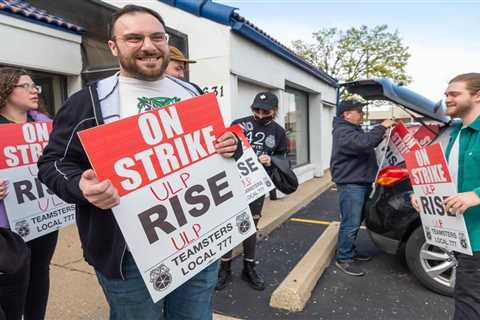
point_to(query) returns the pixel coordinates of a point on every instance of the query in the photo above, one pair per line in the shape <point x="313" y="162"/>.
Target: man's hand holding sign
<point x="460" y="202"/>
<point x="101" y="194"/>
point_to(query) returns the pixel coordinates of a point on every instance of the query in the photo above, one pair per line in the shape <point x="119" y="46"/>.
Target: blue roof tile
<point x="26" y="11"/>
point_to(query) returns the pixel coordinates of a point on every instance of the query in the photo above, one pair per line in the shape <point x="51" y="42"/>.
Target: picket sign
<point x="32" y="209"/>
<point x="253" y="176"/>
<point x="399" y="141"/>
<point x="432" y="184"/>
<point x="182" y="206"/>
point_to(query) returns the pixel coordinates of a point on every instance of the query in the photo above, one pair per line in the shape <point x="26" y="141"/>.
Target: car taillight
<point x="390" y="176"/>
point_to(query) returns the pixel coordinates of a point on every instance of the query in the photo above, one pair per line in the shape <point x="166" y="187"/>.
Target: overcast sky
<point x="443" y="36"/>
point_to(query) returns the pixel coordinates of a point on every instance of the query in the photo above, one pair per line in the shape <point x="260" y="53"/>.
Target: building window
<point x="54" y="91"/>
<point x="296" y="125"/>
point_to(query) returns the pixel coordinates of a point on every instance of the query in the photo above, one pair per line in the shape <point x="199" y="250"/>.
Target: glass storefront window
<point x="54" y="91"/>
<point x="296" y="125"/>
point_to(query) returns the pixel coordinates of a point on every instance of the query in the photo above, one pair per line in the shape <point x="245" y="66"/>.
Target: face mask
<point x="264" y="121"/>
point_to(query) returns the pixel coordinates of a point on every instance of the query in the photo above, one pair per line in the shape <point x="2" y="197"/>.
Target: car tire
<point x="423" y="259"/>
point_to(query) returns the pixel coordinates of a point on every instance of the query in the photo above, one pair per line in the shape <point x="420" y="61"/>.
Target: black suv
<point x="392" y="222"/>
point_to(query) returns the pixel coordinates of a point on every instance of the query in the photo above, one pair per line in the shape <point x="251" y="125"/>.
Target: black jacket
<point x="353" y="155"/>
<point x="60" y="167"/>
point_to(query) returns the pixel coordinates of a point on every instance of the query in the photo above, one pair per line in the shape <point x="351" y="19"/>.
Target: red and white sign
<point x="254" y="178"/>
<point x="32" y="209"/>
<point x="432" y="184"/>
<point x="389" y="151"/>
<point x="399" y="141"/>
<point x="182" y="205"/>
<point x="424" y="135"/>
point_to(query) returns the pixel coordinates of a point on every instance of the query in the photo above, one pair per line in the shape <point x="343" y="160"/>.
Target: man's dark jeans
<point x="467" y="287"/>
<point x="351" y="198"/>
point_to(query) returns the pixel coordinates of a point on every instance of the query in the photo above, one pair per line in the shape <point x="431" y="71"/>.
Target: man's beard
<point x="459" y="110"/>
<point x="129" y="64"/>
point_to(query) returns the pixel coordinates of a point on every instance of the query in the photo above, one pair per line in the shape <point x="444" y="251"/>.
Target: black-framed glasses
<point x="29" y="87"/>
<point x="136" y="40"/>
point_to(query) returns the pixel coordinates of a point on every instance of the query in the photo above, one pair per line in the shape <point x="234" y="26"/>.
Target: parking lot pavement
<point x="388" y="291"/>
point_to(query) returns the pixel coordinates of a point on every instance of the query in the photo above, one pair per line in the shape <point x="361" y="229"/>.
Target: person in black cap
<point x="353" y="166"/>
<point x="267" y="138"/>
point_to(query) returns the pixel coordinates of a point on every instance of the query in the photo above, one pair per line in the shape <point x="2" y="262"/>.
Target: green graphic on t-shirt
<point x="147" y="104"/>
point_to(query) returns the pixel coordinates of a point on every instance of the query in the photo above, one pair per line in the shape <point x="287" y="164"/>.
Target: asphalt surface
<point x="388" y="291"/>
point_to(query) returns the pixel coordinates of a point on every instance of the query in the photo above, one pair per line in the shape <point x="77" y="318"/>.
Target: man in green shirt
<point x="463" y="154"/>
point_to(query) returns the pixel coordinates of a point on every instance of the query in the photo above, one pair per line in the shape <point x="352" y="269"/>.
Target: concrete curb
<point x="294" y="292"/>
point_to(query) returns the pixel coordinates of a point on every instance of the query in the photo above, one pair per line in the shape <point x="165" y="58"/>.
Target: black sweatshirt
<point x="353" y="156"/>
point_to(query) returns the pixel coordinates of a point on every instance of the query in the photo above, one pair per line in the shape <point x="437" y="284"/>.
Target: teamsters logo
<point x="270" y="141"/>
<point x="463" y="240"/>
<point x="161" y="278"/>
<point x="267" y="181"/>
<point x="428" y="232"/>
<point x="243" y="223"/>
<point x="22" y="228"/>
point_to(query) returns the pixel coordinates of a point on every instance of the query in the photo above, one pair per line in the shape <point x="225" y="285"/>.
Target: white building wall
<point x="258" y="66"/>
<point x="327" y="118"/>
<point x="33" y="46"/>
<point x="242" y="102"/>
<point x="250" y="61"/>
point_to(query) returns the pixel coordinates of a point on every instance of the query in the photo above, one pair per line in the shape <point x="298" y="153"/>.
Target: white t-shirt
<point x="453" y="158"/>
<point x="137" y="96"/>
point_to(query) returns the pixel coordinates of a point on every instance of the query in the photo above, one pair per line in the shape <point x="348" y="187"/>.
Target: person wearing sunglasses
<point x="25" y="291"/>
<point x="267" y="138"/>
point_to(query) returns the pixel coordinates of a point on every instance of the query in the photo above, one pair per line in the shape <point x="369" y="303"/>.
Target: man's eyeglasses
<point x="29" y="87"/>
<point x="136" y="40"/>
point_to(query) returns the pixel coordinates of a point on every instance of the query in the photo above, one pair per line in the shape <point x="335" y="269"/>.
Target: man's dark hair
<point x="129" y="9"/>
<point x="472" y="81"/>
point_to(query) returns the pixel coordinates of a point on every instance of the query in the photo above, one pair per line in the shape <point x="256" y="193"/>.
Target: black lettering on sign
<point x="150" y="224"/>
<point x="193" y="197"/>
<point x="246" y="167"/>
<point x="156" y="217"/>
<point x="23" y="189"/>
<point x="216" y="188"/>
<point x="433" y="205"/>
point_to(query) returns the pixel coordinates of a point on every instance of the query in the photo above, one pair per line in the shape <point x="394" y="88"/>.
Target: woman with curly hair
<point x="25" y="291"/>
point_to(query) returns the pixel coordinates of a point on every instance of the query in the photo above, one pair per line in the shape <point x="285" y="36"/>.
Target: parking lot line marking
<point x="312" y="221"/>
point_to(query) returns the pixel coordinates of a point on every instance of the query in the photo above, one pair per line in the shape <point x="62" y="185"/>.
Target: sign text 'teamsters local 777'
<point x="432" y="184"/>
<point x="32" y="209"/>
<point x="182" y="205"/>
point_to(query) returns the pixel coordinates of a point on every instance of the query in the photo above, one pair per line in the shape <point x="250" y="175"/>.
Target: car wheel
<point x="433" y="266"/>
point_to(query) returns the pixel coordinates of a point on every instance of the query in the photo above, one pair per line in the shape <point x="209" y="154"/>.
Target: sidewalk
<point x="75" y="293"/>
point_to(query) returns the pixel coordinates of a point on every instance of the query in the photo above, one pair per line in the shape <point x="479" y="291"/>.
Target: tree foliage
<point x="357" y="53"/>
